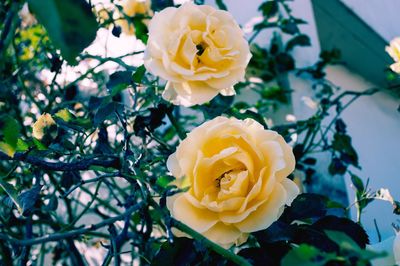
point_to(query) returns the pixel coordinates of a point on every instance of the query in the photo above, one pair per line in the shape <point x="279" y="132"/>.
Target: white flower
<point x="199" y="50"/>
<point x="394" y="51"/>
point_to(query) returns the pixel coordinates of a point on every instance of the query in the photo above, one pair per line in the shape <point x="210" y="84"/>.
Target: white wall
<point x="381" y="15"/>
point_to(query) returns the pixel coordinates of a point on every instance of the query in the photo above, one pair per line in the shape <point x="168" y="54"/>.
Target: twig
<point x="72" y="233"/>
<point x="87" y="181"/>
<point x="79" y="165"/>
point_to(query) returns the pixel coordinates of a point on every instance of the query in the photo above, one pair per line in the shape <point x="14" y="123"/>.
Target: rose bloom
<point x="236" y="172"/>
<point x="391" y="247"/>
<point x="394" y="51"/>
<point x="199" y="50"/>
<point x="132" y="8"/>
<point x="43" y="124"/>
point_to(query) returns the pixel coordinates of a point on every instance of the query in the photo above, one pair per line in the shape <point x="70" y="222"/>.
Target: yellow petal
<point x="222" y="234"/>
<point x="265" y="214"/>
<point x="199" y="219"/>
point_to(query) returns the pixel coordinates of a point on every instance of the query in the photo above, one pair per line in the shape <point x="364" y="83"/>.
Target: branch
<point x="72" y="233"/>
<point x="79" y="165"/>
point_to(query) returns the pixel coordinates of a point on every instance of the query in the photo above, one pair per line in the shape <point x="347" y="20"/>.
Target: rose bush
<point x="199" y="50"/>
<point x="237" y="173"/>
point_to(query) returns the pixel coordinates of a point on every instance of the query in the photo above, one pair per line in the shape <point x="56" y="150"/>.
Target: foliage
<point x="100" y="185"/>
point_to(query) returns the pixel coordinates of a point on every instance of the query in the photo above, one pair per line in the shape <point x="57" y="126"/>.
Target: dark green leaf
<point x="358" y="183"/>
<point x="28" y="199"/>
<point x="118" y="82"/>
<point x="9" y="132"/>
<point x="336" y="167"/>
<point x="53" y="203"/>
<point x="285" y="62"/>
<point x="249" y="114"/>
<point x="268" y="254"/>
<point x="70" y="24"/>
<point x="140" y="29"/>
<point x="217" y="106"/>
<point x="303" y="255"/>
<point x="305" y="206"/>
<point x="350" y="228"/>
<point x="342" y="143"/>
<point x="269" y="8"/>
<point x="180" y="252"/>
<point x="290" y="27"/>
<point x="139" y="74"/>
<point x="106" y="111"/>
<point x="12" y="194"/>
<point x="299" y="40"/>
<point x="164" y="180"/>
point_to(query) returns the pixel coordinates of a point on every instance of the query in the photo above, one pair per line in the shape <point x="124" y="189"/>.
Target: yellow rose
<point x="394" y="51"/>
<point x="45" y="124"/>
<point x="199" y="50"/>
<point x="237" y="173"/>
<point x="132" y="8"/>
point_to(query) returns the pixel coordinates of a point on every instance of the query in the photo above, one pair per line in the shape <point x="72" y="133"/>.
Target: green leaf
<point x="164" y="180"/>
<point x="248" y="114"/>
<point x="306" y="206"/>
<point x="343" y="240"/>
<point x="118" y="82"/>
<point x="358" y="183"/>
<point x="139" y="74"/>
<point x="70" y="24"/>
<point x="180" y="252"/>
<point x="64" y="114"/>
<point x="299" y="40"/>
<point x="28" y="199"/>
<point x="9" y="131"/>
<point x="344" y="225"/>
<point x="106" y="111"/>
<point x="22" y="145"/>
<point x="140" y="29"/>
<point x="12" y="193"/>
<point x="303" y="255"/>
<point x="289" y="26"/>
<point x="269" y="8"/>
<point x="342" y="143"/>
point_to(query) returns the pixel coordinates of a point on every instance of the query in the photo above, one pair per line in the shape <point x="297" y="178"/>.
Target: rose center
<point x="225" y="177"/>
<point x="201" y="47"/>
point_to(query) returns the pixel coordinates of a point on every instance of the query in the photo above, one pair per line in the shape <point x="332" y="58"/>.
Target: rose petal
<point x="223" y="234"/>
<point x="199" y="219"/>
<point x="188" y="93"/>
<point x="266" y="213"/>
<point x="292" y="190"/>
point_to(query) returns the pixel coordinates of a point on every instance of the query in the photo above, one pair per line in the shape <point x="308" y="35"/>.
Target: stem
<point x="72" y="233"/>
<point x="215" y="247"/>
